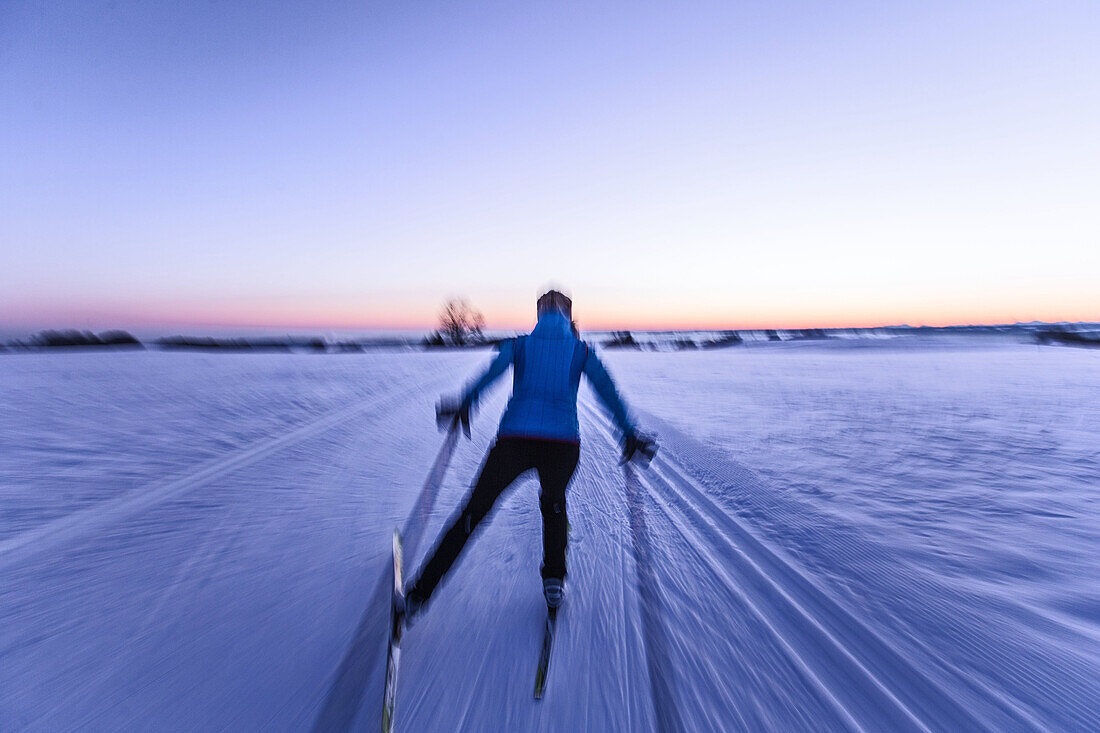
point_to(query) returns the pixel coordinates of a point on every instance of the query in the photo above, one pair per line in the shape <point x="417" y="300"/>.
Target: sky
<point x="712" y="165"/>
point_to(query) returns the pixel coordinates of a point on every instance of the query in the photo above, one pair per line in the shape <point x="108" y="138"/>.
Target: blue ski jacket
<point x="547" y="366"/>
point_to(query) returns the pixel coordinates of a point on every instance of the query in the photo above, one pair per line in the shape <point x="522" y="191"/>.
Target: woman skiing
<point x="539" y="431"/>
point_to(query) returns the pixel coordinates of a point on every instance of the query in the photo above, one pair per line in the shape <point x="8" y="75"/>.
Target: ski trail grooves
<point x="829" y="639"/>
<point x="602" y="565"/>
<point x="872" y="683"/>
<point x="956" y="673"/>
<point x="658" y="659"/>
<point x="64" y="529"/>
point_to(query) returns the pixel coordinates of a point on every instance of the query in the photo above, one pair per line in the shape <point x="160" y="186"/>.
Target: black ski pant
<point x="508" y="459"/>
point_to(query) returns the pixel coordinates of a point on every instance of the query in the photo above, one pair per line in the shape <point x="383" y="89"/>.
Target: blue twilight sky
<point x="671" y="164"/>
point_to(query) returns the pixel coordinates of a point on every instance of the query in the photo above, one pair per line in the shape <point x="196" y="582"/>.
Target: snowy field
<point x="835" y="536"/>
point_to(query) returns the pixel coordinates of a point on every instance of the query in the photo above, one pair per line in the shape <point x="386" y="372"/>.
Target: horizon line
<point x="650" y="328"/>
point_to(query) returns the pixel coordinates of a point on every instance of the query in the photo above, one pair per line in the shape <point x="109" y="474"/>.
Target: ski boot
<point x="554" y="591"/>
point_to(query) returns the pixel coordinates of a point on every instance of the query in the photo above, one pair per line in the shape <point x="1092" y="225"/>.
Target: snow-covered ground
<point x="835" y="535"/>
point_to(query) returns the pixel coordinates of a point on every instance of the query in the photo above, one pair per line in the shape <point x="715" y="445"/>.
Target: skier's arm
<point x="605" y="388"/>
<point x="496" y="368"/>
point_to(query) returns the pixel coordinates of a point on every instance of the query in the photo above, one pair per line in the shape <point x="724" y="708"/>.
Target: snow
<point x="850" y="535"/>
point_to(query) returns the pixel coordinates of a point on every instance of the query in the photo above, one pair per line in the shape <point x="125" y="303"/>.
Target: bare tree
<point x="460" y="323"/>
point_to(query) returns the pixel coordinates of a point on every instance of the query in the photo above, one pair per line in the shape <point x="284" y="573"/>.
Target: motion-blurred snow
<point x="840" y="536"/>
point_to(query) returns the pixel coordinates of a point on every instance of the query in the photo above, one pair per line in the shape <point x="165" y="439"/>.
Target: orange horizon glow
<point x="419" y="318"/>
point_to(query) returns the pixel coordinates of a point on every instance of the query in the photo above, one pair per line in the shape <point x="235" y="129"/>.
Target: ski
<point x="544" y="653"/>
<point x="397" y="624"/>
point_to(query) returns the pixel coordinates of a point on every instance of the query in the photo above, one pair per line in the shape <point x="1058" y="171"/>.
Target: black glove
<point x="639" y="447"/>
<point x="450" y="414"/>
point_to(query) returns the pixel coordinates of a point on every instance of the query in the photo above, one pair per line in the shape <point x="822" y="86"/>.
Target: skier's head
<point x="554" y="300"/>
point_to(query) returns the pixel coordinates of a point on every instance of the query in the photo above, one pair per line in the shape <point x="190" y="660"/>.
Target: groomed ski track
<point x="744" y="641"/>
<point x="242" y="595"/>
